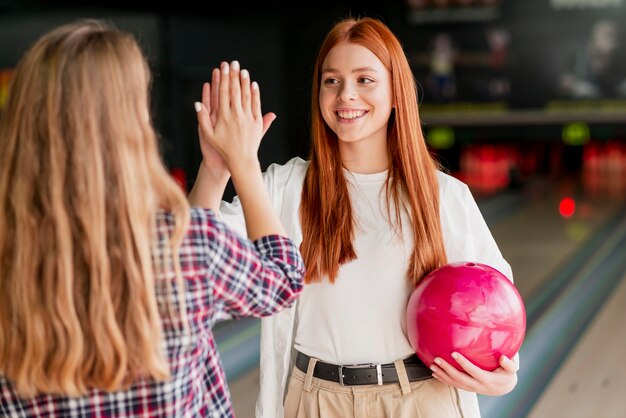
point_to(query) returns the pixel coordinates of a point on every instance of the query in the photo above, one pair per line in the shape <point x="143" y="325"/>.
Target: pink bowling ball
<point x="469" y="308"/>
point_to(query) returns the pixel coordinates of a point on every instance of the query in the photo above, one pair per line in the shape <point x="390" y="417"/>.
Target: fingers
<point x="451" y="375"/>
<point x="508" y="364"/>
<point x="206" y="97"/>
<point x="212" y="101"/>
<point x="224" y="88"/>
<point x="268" y="118"/>
<point x="256" y="100"/>
<point x="214" y="104"/>
<point x="497" y="382"/>
<point x="467" y="365"/>
<point x="231" y="88"/>
<point x="245" y="90"/>
<point x="204" y="121"/>
<point x="235" y="86"/>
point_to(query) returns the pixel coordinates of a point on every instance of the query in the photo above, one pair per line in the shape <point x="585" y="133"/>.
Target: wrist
<point x="219" y="175"/>
<point x="244" y="166"/>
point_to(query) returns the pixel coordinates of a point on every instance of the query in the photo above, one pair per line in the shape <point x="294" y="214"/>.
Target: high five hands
<point x="230" y="123"/>
<point x="230" y="126"/>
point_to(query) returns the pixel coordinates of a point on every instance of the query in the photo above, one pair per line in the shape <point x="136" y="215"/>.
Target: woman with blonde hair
<point x="373" y="214"/>
<point x="110" y="283"/>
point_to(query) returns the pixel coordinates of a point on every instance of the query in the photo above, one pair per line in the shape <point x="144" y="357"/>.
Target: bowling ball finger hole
<point x="470" y="264"/>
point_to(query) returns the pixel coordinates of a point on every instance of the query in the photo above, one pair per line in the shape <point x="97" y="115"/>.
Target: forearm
<point x="263" y="278"/>
<point x="208" y="189"/>
<point x="261" y="219"/>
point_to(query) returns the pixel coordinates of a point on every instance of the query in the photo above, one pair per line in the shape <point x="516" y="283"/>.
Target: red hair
<point x="326" y="213"/>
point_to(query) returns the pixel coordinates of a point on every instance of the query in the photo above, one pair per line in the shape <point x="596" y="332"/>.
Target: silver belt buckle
<point x="379" y="372"/>
<point x="350" y="366"/>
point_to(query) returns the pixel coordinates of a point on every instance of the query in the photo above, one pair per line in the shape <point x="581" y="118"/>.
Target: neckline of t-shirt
<point x="360" y="178"/>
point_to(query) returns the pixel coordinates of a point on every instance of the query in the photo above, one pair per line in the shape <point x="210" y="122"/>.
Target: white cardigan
<point x="466" y="238"/>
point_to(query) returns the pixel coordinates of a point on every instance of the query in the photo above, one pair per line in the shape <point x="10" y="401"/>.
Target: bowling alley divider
<point x="238" y="343"/>
<point x="559" y="316"/>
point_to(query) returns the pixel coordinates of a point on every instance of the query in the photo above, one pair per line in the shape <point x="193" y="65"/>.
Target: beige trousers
<point x="310" y="397"/>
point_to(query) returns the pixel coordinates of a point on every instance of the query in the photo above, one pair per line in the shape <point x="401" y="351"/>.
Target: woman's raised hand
<point x="230" y="123"/>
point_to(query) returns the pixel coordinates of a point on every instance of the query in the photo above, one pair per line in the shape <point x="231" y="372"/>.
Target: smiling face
<point x="355" y="95"/>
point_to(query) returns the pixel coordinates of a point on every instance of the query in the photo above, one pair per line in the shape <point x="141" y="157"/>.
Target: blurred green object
<point x="576" y="134"/>
<point x="440" y="137"/>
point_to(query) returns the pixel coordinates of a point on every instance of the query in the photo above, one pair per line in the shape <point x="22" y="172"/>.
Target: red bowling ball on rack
<point x="469" y="308"/>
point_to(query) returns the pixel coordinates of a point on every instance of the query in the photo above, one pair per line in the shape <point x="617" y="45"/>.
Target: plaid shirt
<point x="225" y="276"/>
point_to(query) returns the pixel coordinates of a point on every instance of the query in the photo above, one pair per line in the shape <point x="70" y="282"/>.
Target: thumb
<point x="268" y="118"/>
<point x="204" y="121"/>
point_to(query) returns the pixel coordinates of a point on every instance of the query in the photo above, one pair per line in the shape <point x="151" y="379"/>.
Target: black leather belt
<point x="365" y="374"/>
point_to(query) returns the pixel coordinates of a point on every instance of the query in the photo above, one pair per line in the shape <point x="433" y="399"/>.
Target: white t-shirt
<point x="361" y="318"/>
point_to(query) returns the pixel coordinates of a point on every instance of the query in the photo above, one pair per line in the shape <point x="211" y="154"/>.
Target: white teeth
<point x="350" y="114"/>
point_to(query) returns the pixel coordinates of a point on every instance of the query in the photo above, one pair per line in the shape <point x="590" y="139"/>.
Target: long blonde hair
<point x="81" y="182"/>
<point x="326" y="214"/>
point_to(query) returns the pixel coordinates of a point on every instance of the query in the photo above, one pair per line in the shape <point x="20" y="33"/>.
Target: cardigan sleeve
<point x="466" y="234"/>
<point x="485" y="246"/>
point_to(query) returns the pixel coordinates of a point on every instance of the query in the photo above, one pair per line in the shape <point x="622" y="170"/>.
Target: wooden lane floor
<point x="566" y="269"/>
<point x="592" y="381"/>
<point x="537" y="241"/>
<point x="244" y="391"/>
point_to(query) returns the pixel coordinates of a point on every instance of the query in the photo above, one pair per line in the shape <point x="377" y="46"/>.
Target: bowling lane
<point x="538" y="240"/>
<point x="586" y="250"/>
<point x="244" y="391"/>
<point x="592" y="381"/>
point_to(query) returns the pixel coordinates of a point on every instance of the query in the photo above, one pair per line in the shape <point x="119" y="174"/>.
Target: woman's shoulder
<point x="208" y="222"/>
<point x="295" y="165"/>
<point x="199" y="218"/>
<point x="201" y="221"/>
<point x="451" y="188"/>
<point x="293" y="171"/>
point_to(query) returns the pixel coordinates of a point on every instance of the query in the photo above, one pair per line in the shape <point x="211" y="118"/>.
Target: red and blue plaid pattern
<point x="226" y="276"/>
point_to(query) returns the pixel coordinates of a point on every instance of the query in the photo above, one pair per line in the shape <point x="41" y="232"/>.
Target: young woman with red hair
<point x="373" y="214"/>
